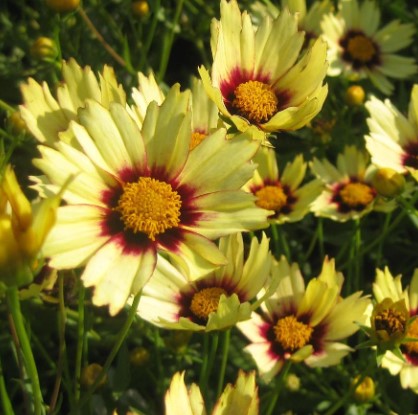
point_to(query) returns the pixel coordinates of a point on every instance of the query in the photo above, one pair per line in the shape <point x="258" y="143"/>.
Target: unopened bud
<point x="139" y="356"/>
<point x="17" y="124"/>
<point x="388" y="182"/>
<point x="140" y="8"/>
<point x="90" y="374"/>
<point x="44" y="48"/>
<point x="62" y="6"/>
<point x="364" y="392"/>
<point x="355" y="95"/>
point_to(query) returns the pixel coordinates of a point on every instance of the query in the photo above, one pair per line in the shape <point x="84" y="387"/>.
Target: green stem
<point x="225" y="350"/>
<point x="279" y="385"/>
<point x="62" y="345"/>
<point x="80" y="340"/>
<point x="12" y="295"/>
<point x="5" y="400"/>
<point x="276" y="240"/>
<point x="151" y="33"/>
<point x="380" y="245"/>
<point x="4" y="105"/>
<point x="168" y="42"/>
<point x="119" y="341"/>
<point x="337" y="405"/>
<point x="214" y="337"/>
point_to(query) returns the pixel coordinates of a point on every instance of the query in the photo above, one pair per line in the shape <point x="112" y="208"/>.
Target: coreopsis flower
<point x="393" y="138"/>
<point x="241" y="398"/>
<point x="204" y="112"/>
<point x="283" y="193"/>
<point x="400" y="324"/>
<point x="141" y="192"/>
<point x="260" y="80"/>
<point x="309" y="19"/>
<point x="205" y="116"/>
<point x="349" y="192"/>
<point x="23" y="229"/>
<point x="46" y="116"/>
<point x="215" y="301"/>
<point x="303" y="324"/>
<point x="148" y="90"/>
<point x="359" y="48"/>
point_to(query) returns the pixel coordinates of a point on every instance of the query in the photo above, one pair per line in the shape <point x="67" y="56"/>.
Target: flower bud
<point x="44" y="48"/>
<point x="388" y="182"/>
<point x="139" y="356"/>
<point x="62" y="6"/>
<point x="140" y="8"/>
<point x="17" y="124"/>
<point x="90" y="373"/>
<point x="364" y="391"/>
<point x="354" y="95"/>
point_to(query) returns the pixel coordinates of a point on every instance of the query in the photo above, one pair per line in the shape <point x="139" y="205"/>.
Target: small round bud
<point x="293" y="382"/>
<point x="62" y="6"/>
<point x="44" y="48"/>
<point x="364" y="392"/>
<point x="355" y="95"/>
<point x="90" y="373"/>
<point x="140" y="8"/>
<point x="17" y="124"/>
<point x="388" y="182"/>
<point x="139" y="356"/>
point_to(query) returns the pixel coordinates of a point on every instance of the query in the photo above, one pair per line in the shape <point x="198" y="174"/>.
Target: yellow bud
<point x="293" y="382"/>
<point x="388" y="182"/>
<point x="44" y="48"/>
<point x="355" y="95"/>
<point x="139" y="356"/>
<point x="365" y="390"/>
<point x="62" y="6"/>
<point x="17" y="123"/>
<point x="90" y="373"/>
<point x="140" y="8"/>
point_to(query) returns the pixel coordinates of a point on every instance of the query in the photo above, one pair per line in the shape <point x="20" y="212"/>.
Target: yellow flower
<point x="260" y="80"/>
<point x="393" y="137"/>
<point x="349" y="192"/>
<point x="360" y="48"/>
<point x="401" y="323"/>
<point x="23" y="229"/>
<point x="215" y="301"/>
<point x="282" y="192"/>
<point x="46" y="117"/>
<point x="303" y="324"/>
<point x="238" y="399"/>
<point x="141" y="192"/>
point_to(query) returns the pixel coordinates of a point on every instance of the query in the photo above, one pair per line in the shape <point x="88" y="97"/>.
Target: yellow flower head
<point x="260" y="80"/>
<point x="23" y="229"/>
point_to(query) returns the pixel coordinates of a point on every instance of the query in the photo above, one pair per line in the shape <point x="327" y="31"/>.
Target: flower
<point x="46" y="116"/>
<point x="309" y="18"/>
<point x="393" y="138"/>
<point x="141" y="192"/>
<point x="260" y="81"/>
<point x="359" y="49"/>
<point x="303" y="324"/>
<point x="205" y="116"/>
<point x="283" y="192"/>
<point x="241" y="398"/>
<point x="215" y="301"/>
<point x="204" y="112"/>
<point x="386" y="287"/>
<point x="349" y="192"/>
<point x="23" y="229"/>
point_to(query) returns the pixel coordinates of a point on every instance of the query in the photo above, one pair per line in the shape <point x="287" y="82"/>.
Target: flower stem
<point x="80" y="340"/>
<point x="5" y="400"/>
<point x="12" y="295"/>
<point x="225" y="349"/>
<point x="208" y="361"/>
<point x="279" y="384"/>
<point x="168" y="42"/>
<point x="119" y="341"/>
